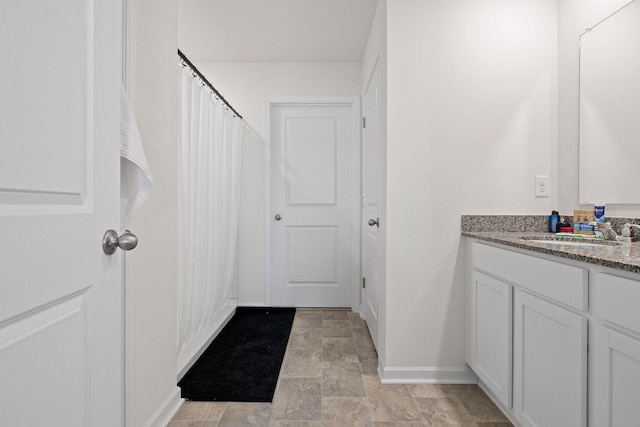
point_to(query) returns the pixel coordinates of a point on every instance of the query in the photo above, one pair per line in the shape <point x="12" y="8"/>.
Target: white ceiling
<point x="274" y="30"/>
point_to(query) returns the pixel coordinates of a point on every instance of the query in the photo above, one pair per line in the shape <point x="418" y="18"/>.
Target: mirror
<point x="610" y="109"/>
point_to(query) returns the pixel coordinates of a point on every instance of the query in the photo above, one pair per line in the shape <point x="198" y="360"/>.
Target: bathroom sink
<point x="571" y="241"/>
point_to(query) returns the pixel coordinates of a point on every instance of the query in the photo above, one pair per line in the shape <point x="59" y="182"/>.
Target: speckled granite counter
<point x="517" y="231"/>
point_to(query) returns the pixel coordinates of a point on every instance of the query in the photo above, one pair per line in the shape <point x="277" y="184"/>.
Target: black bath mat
<point x="243" y="362"/>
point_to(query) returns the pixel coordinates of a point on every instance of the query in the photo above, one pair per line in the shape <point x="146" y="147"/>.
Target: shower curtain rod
<point x="206" y="82"/>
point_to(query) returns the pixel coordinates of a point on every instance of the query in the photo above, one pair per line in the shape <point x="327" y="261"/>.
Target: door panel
<point x="549" y="364"/>
<point x="625" y="374"/>
<point x="312" y="255"/>
<point x="61" y="306"/>
<point x="312" y="193"/>
<point x="61" y="329"/>
<point x="615" y="375"/>
<point x="34" y="116"/>
<point x="489" y="349"/>
<point x="371" y="195"/>
<point x="310" y="152"/>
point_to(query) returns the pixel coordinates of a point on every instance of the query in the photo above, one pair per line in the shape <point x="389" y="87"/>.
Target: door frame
<point x="354" y="103"/>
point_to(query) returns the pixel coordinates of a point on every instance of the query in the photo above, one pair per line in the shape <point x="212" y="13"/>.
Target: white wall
<point x="155" y="346"/>
<point x="472" y="106"/>
<point x="246" y="86"/>
<point x="575" y="16"/>
<point x="376" y="44"/>
<point x="251" y="225"/>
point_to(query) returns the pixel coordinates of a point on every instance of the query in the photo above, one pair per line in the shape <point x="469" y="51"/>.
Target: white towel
<point x="135" y="176"/>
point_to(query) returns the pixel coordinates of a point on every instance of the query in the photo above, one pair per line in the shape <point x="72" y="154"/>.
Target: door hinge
<point x="363" y="283"/>
<point x="364" y="122"/>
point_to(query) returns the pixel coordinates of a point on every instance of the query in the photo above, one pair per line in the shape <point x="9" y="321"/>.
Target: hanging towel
<point x="135" y="176"/>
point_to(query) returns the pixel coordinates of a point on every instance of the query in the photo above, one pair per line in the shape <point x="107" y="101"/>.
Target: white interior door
<point x="61" y="296"/>
<point x="312" y="194"/>
<point x="371" y="194"/>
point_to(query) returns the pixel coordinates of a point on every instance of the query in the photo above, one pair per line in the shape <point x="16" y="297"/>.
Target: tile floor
<point x="328" y="379"/>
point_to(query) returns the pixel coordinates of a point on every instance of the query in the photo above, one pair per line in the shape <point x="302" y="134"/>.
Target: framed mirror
<point x="610" y="109"/>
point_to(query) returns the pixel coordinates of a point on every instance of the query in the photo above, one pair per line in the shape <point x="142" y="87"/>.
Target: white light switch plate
<point x="542" y="186"/>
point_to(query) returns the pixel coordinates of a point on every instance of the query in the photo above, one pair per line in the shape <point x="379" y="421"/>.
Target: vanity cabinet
<point x="615" y="375"/>
<point x="555" y="342"/>
<point x="527" y="334"/>
<point x="550" y="363"/>
<point x="489" y="336"/>
<point x="614" y="351"/>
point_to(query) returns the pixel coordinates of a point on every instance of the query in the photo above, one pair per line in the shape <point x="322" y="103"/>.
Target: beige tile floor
<point x="328" y="379"/>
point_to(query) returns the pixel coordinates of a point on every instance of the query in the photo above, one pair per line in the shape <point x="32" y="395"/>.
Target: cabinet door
<point x="489" y="334"/>
<point x="549" y="364"/>
<point x="615" y="367"/>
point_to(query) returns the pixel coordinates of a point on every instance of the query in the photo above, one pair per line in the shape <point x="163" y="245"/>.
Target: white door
<point x="549" y="364"/>
<point x="60" y="295"/>
<point x="371" y="209"/>
<point x="489" y="333"/>
<point x="313" y="183"/>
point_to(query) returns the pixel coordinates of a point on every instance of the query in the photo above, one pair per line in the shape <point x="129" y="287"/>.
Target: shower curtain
<point x="209" y="203"/>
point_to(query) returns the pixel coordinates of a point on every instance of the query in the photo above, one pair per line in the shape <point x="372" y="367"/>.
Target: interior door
<point x="371" y="193"/>
<point x="60" y="295"/>
<point x="311" y="200"/>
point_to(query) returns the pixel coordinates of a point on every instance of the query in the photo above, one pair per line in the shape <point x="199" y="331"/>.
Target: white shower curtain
<point x="209" y="203"/>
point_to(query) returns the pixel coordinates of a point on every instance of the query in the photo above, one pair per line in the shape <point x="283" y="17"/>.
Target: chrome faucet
<point x="607" y="230"/>
<point x="631" y="231"/>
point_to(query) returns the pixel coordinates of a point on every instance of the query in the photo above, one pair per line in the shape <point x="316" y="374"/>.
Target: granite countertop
<point x="621" y="256"/>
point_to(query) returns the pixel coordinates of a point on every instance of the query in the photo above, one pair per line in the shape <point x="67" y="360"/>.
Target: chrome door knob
<point x="278" y="217"/>
<point x="375" y="222"/>
<point x="111" y="241"/>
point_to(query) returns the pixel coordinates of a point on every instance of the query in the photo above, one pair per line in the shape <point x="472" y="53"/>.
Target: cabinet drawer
<point x="564" y="283"/>
<point x="616" y="300"/>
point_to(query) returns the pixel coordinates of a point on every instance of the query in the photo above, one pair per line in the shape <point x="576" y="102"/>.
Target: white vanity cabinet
<point x="489" y="333"/>
<point x="614" y="358"/>
<point x="550" y="363"/>
<point x="614" y="398"/>
<point x="527" y="334"/>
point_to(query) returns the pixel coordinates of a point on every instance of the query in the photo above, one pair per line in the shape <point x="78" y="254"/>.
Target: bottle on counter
<point x="598" y="213"/>
<point x="553" y="221"/>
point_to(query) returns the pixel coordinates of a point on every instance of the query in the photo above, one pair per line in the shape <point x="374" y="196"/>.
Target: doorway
<point x="313" y="220"/>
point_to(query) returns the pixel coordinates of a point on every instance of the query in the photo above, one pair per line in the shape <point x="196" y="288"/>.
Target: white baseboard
<point x="188" y="356"/>
<point x="167" y="410"/>
<point x="426" y="375"/>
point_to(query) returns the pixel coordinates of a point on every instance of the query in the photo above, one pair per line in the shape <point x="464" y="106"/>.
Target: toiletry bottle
<point x="553" y="221"/>
<point x="598" y="213"/>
